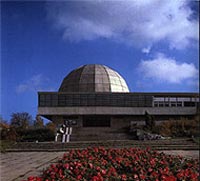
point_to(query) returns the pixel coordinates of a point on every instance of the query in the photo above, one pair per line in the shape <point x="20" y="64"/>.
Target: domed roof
<point x="93" y="78"/>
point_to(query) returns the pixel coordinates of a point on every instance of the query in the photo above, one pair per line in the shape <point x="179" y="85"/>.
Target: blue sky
<point x="153" y="44"/>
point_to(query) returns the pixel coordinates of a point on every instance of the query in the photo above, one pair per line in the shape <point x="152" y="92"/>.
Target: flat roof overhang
<point x="50" y="111"/>
<point x="133" y="93"/>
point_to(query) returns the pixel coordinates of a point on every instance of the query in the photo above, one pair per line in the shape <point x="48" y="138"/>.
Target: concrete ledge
<point x="116" y="110"/>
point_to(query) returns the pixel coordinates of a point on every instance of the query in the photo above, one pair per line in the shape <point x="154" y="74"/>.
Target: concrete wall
<point x="45" y="111"/>
<point x="118" y="123"/>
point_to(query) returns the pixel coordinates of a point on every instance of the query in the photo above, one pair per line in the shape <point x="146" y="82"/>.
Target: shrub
<point x="41" y="135"/>
<point x="180" y="128"/>
<point x="9" y="134"/>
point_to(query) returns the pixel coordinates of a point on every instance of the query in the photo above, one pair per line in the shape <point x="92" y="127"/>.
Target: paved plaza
<point x="17" y="166"/>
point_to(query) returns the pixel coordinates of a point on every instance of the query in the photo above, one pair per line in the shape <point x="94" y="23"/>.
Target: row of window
<point x="174" y="104"/>
<point x="116" y="100"/>
<point x="95" y="100"/>
<point x="175" y="101"/>
<point x="167" y="104"/>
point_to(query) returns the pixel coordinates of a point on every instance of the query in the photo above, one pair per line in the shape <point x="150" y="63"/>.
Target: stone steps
<point x="170" y="144"/>
<point x="70" y="148"/>
<point x="84" y="136"/>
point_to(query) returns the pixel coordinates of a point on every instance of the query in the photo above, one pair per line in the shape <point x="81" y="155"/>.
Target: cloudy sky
<point x="153" y="44"/>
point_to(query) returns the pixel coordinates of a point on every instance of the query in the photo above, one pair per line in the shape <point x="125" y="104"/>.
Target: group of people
<point x="65" y="132"/>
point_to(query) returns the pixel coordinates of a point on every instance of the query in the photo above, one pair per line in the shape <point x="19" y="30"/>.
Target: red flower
<point x="95" y="178"/>
<point x="31" y="178"/>
<point x="169" y="178"/>
<point x="152" y="162"/>
<point x="79" y="177"/>
<point x="142" y="177"/>
<point x="103" y="172"/>
<point x="154" y="174"/>
<point x="166" y="170"/>
<point x="66" y="166"/>
<point x="150" y="170"/>
<point x="194" y="176"/>
<point x="90" y="165"/>
<point x="135" y="176"/>
<point x="99" y="164"/>
<point x="123" y="177"/>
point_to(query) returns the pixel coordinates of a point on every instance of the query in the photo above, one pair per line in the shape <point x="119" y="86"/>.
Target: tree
<point x="39" y="122"/>
<point x="21" y="120"/>
<point x="3" y="123"/>
<point x="6" y="131"/>
<point x="51" y="126"/>
<point x="149" y="121"/>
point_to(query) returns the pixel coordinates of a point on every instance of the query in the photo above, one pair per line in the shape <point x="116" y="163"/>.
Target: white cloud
<point x="164" y="69"/>
<point x="35" y="83"/>
<point x="146" y="50"/>
<point x="138" y="23"/>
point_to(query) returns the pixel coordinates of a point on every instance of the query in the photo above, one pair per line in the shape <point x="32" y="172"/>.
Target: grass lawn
<point x="4" y="144"/>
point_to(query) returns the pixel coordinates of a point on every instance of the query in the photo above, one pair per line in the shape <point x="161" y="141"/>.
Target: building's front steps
<point x="170" y="144"/>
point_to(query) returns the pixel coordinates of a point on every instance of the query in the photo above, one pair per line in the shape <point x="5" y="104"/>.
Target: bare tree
<point x="21" y="120"/>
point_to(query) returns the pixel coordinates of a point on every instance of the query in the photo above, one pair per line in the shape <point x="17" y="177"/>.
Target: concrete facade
<point x="68" y="111"/>
<point x="98" y="99"/>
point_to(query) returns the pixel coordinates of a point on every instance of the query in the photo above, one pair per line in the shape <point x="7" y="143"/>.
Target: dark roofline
<point x="136" y="93"/>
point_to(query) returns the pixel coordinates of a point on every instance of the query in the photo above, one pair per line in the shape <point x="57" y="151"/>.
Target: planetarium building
<point x="97" y="98"/>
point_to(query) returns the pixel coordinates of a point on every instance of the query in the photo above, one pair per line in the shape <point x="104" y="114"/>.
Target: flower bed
<point x="100" y="164"/>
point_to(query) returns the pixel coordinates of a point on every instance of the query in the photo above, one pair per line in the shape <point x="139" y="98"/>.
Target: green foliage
<point x="9" y="134"/>
<point x="180" y="128"/>
<point x="40" y="135"/>
<point x="149" y="122"/>
<point x="21" y="129"/>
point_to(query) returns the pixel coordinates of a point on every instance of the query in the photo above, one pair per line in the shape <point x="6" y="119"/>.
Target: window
<point x="96" y="121"/>
<point x="166" y="104"/>
<point x="189" y="104"/>
<point x="179" y="104"/>
<point x="155" y="104"/>
<point x="161" y="104"/>
<point x="173" y="104"/>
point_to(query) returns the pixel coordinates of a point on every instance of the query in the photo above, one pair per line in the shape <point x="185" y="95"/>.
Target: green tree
<point x="21" y="120"/>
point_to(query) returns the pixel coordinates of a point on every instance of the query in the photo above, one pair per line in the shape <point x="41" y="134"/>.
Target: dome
<point x="93" y="78"/>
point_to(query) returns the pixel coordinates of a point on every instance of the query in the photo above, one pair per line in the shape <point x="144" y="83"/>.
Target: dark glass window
<point x="96" y="121"/>
<point x="166" y="104"/>
<point x="179" y="104"/>
<point x="155" y="104"/>
<point x="173" y="104"/>
<point x="189" y="104"/>
<point x="95" y="99"/>
<point x="161" y="104"/>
